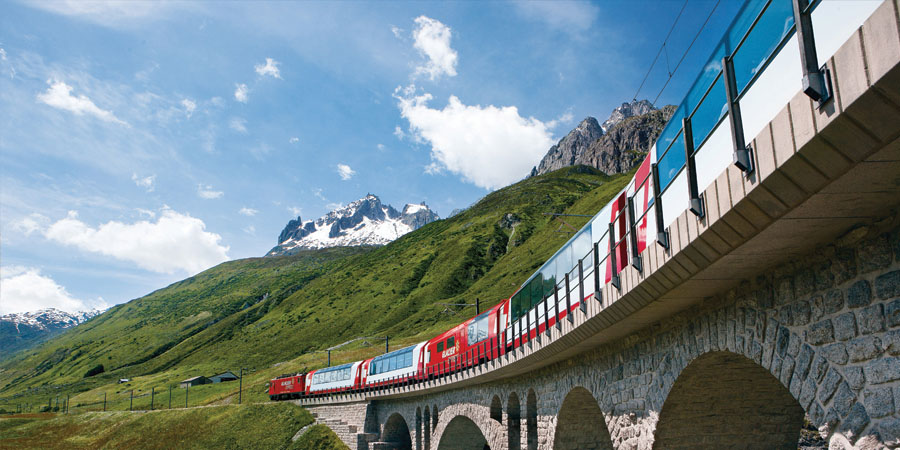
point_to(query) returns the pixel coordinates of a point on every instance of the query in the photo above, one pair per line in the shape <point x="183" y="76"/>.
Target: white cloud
<point x="2" y="54"/>
<point x="238" y="124"/>
<point x="488" y="146"/>
<point x="31" y="223"/>
<point x="24" y="289"/>
<point x="399" y="133"/>
<point x="432" y="40"/>
<point x="295" y="210"/>
<point x="565" y="118"/>
<point x="270" y="68"/>
<point x="146" y="212"/>
<point x="294" y="140"/>
<point x="333" y="206"/>
<point x="175" y="242"/>
<point x="241" y="92"/>
<point x="345" y="172"/>
<point x="318" y="193"/>
<point x="111" y="13"/>
<point x="189" y="107"/>
<point x="249" y="212"/>
<point x="145" y="182"/>
<point x="59" y="95"/>
<point x="380" y="147"/>
<point x="217" y="101"/>
<point x="568" y="16"/>
<point x="250" y="229"/>
<point x="208" y="193"/>
<point x="398" y="32"/>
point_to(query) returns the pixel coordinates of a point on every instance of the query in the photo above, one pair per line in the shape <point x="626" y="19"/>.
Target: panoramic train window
<point x="478" y="329"/>
<point x="395" y="360"/>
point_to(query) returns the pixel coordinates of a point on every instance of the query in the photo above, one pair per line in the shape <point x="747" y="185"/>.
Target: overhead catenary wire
<point x="661" y="47"/>
<point x="683" y="55"/>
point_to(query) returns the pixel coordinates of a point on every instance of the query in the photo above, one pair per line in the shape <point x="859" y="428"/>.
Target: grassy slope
<point x="248" y="426"/>
<point x="394" y="290"/>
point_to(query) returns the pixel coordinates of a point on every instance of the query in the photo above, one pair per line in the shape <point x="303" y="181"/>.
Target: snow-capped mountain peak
<point x="49" y="318"/>
<point x="363" y="222"/>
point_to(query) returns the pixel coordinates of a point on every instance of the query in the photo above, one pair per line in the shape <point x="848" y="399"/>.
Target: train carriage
<point x="335" y="379"/>
<point x="287" y="386"/>
<point x="394" y="367"/>
<point x="469" y="343"/>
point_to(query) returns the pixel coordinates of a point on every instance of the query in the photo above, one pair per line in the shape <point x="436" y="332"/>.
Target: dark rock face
<point x="632" y="129"/>
<point x="417" y="216"/>
<point x="566" y="152"/>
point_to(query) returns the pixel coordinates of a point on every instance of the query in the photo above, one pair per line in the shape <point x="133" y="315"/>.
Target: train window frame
<point x="440" y="347"/>
<point x="451" y="342"/>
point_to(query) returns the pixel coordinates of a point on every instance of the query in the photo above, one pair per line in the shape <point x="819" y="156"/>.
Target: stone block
<point x="844" y="399"/>
<point x="887" y="286"/>
<point x="844" y="265"/>
<point x="807" y="393"/>
<point x="835" y="353"/>
<point x="871" y="319"/>
<point x="874" y="254"/>
<point x="804" y="360"/>
<point x="859" y="294"/>
<point x="833" y="301"/>
<point x="891" y="342"/>
<point x="820" y="333"/>
<point x="889" y="429"/>
<point x="879" y="401"/>
<point x="855" y="377"/>
<point x="856" y="421"/>
<point x="863" y="348"/>
<point x="818" y="368"/>
<point x="845" y="326"/>
<point x="824" y="279"/>
<point x="883" y="370"/>
<point x="828" y="385"/>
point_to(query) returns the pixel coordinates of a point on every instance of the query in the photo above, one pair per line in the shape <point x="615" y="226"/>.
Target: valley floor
<point x="257" y="426"/>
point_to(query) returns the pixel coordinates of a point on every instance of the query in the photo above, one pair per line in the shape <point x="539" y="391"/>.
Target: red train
<point x="566" y="280"/>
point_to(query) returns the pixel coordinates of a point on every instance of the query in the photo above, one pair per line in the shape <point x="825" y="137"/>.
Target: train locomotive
<point x="550" y="294"/>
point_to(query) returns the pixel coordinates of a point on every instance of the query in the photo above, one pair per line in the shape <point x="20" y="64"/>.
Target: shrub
<point x="98" y="369"/>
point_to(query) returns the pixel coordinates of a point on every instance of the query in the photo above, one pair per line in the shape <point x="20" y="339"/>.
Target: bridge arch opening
<point x="396" y="432"/>
<point x="426" y="418"/>
<point x="514" y="422"/>
<point x="462" y="434"/>
<point x="580" y="423"/>
<point x="496" y="409"/>
<point x="531" y="428"/>
<point x="725" y="400"/>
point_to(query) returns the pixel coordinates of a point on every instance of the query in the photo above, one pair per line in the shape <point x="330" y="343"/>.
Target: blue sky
<point x="144" y="142"/>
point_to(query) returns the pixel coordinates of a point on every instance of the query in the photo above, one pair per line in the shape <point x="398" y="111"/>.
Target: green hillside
<point x="256" y="312"/>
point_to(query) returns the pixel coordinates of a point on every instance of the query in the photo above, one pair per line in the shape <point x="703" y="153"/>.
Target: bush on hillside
<point x="98" y="369"/>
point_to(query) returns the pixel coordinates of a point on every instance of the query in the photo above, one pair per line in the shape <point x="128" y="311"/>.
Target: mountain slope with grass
<point x="258" y="312"/>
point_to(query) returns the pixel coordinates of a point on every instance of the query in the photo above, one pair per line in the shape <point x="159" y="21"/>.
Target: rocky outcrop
<point x="617" y="146"/>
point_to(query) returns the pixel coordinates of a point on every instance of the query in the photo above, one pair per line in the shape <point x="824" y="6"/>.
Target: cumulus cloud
<point x="25" y="289"/>
<point x="249" y="212"/>
<point x="59" y="95"/>
<point x="432" y="40"/>
<point x="208" y="193"/>
<point x="175" y="242"/>
<point x="31" y="223"/>
<point x="488" y="146"/>
<point x="399" y="133"/>
<point x="345" y="172"/>
<point x="398" y="32"/>
<point x="294" y="140"/>
<point x="238" y="124"/>
<point x="189" y="106"/>
<point x="295" y="210"/>
<point x="270" y="68"/>
<point x="241" y="92"/>
<point x="147" y="183"/>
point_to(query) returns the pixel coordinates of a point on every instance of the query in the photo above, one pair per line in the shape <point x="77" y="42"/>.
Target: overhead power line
<point x="661" y="47"/>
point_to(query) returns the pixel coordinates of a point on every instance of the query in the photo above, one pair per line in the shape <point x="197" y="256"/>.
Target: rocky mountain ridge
<point x="363" y="222"/>
<point x="616" y="146"/>
<point x="22" y="330"/>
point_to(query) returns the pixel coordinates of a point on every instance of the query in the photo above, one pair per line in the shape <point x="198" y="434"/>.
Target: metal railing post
<point x="632" y="228"/>
<point x="815" y="82"/>
<point x="597" y="293"/>
<point x="662" y="236"/>
<point x="581" y="302"/>
<point x="696" y="202"/>
<point x="613" y="244"/>
<point x="741" y="155"/>
<point x="568" y="299"/>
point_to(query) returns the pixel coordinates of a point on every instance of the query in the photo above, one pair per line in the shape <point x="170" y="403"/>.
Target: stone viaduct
<point x="780" y="305"/>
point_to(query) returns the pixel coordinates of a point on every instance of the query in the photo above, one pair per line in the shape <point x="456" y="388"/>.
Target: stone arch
<point x="580" y="423"/>
<point x="396" y="432"/>
<point x="418" y="428"/>
<point x="426" y="419"/>
<point x="462" y="434"/>
<point x="725" y="400"/>
<point x="478" y="415"/>
<point x="496" y="409"/>
<point x="514" y="422"/>
<point x="531" y="429"/>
